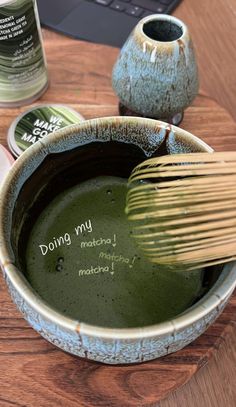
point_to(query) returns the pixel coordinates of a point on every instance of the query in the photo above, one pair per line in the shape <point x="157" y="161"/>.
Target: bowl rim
<point x="139" y="29"/>
<point x="216" y="296"/>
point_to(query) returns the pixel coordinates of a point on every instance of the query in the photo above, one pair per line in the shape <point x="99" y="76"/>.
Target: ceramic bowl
<point x="156" y="73"/>
<point x="52" y="164"/>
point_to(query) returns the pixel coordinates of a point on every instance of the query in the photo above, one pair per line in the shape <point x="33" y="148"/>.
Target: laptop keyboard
<point x="137" y="8"/>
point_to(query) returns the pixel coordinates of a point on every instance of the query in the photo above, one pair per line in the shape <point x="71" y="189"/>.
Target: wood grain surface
<point x="212" y="25"/>
<point x="213" y="385"/>
<point x="34" y="373"/>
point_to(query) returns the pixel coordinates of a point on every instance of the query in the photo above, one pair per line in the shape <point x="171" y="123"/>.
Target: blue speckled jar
<point x="156" y="72"/>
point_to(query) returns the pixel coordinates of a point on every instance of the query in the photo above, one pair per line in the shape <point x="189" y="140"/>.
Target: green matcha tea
<point x="81" y="259"/>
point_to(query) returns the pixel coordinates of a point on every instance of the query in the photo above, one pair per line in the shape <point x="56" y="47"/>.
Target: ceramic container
<point x="113" y="143"/>
<point x="156" y="72"/>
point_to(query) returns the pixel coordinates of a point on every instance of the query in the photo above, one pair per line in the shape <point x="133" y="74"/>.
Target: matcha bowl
<point x="68" y="257"/>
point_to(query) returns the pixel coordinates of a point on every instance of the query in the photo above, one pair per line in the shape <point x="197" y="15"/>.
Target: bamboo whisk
<point x="183" y="209"/>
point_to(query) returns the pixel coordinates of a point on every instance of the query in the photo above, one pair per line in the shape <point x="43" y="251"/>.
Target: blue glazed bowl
<point x="38" y="167"/>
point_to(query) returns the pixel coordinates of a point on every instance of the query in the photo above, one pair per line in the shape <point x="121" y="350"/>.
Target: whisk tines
<point x="183" y="208"/>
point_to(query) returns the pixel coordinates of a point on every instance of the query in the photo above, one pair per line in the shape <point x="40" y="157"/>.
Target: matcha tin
<point x="23" y="70"/>
<point x="38" y="122"/>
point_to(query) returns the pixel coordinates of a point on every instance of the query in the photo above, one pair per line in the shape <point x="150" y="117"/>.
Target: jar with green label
<point x="23" y="70"/>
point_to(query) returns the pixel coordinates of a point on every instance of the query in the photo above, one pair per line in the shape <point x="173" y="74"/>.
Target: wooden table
<point x="35" y="374"/>
<point x="212" y="24"/>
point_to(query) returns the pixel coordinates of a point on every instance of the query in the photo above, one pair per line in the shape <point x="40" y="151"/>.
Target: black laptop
<point x="102" y="21"/>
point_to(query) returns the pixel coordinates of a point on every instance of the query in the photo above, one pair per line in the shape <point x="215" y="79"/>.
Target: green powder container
<point x="37" y="122"/>
<point x="23" y="70"/>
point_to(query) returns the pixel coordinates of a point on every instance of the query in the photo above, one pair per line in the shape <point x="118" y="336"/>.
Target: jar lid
<point x="6" y="161"/>
<point x="38" y="122"/>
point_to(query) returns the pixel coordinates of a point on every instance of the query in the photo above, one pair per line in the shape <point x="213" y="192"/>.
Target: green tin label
<point x="23" y="71"/>
<point x="35" y="124"/>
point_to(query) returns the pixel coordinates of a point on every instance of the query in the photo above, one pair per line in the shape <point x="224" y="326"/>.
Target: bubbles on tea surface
<point x="109" y="191"/>
<point x="59" y="265"/>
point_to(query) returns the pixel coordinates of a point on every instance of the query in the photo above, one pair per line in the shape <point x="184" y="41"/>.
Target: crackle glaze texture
<point x="111" y="346"/>
<point x="111" y="351"/>
<point x="157" y="79"/>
